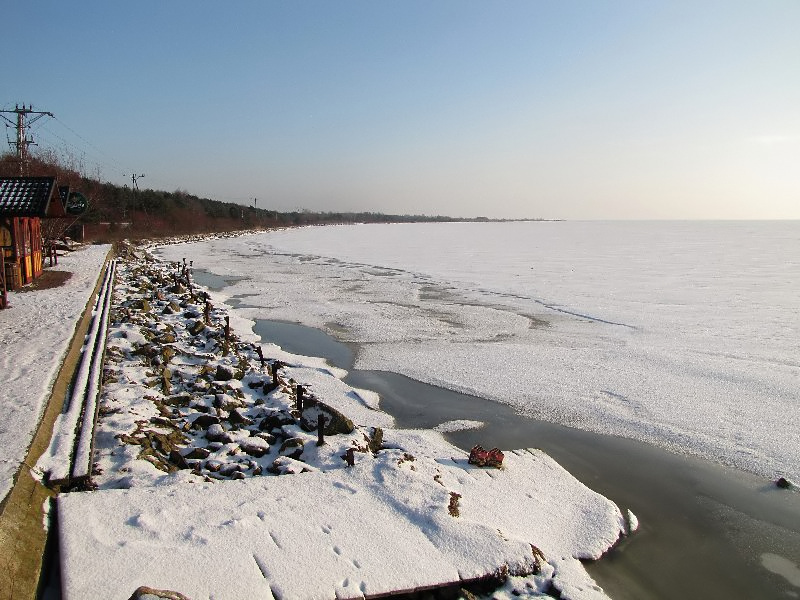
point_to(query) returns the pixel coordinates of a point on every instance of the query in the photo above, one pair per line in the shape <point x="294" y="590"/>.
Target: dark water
<point x="703" y="528"/>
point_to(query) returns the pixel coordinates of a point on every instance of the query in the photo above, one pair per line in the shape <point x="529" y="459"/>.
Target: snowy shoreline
<point x="197" y="413"/>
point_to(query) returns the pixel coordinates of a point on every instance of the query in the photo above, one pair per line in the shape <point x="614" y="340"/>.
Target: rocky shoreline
<point x="206" y="402"/>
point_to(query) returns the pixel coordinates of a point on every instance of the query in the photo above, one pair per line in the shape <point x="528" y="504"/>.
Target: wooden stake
<point x="260" y="356"/>
<point x="321" y="430"/>
<point x="275" y="366"/>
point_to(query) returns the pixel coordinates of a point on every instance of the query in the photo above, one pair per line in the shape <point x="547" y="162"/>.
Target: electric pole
<point x="134" y="179"/>
<point x="23" y="140"/>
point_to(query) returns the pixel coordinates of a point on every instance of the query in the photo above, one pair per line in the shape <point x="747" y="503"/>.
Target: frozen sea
<point x="685" y="335"/>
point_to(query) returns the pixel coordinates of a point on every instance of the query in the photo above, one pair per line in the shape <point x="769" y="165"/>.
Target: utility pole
<point x="23" y="140"/>
<point x="134" y="179"/>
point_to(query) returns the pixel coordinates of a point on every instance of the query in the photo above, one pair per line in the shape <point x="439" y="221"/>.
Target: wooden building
<point x="24" y="201"/>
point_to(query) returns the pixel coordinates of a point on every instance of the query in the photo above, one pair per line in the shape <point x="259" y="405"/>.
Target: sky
<point x="506" y="109"/>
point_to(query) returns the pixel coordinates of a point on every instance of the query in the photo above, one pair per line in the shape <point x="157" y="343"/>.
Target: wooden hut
<point x="24" y="201"/>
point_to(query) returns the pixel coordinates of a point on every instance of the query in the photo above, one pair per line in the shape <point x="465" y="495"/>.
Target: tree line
<point x="117" y="212"/>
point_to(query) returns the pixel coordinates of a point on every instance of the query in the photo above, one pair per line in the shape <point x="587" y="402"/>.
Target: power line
<point x="103" y="154"/>
<point x="97" y="160"/>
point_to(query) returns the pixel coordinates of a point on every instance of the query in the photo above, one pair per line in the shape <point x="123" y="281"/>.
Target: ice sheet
<point x="682" y="334"/>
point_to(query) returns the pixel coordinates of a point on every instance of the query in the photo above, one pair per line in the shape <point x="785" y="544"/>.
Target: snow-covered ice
<point x="681" y="334"/>
<point x="35" y="333"/>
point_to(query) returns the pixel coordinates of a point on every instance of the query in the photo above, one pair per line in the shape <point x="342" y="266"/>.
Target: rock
<point x="197" y="453"/>
<point x="267" y="437"/>
<point x="148" y="593"/>
<point x="177" y="459"/>
<point x="166" y="384"/>
<point x="287" y="466"/>
<point x="227" y="402"/>
<point x="196" y="327"/>
<point x="229" y="469"/>
<point x="237" y="418"/>
<point x="205" y="421"/>
<point x="147" y="350"/>
<point x="166" y="338"/>
<point x="784" y="483"/>
<point x="224" y="373"/>
<point x="167" y="354"/>
<point x="293" y="448"/>
<point x="335" y="422"/>
<point x="376" y="441"/>
<point x="178" y="400"/>
<point x="215" y="433"/>
<point x="275" y="419"/>
<point x="255" y="447"/>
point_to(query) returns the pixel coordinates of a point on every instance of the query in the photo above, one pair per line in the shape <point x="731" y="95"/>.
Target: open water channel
<point x="706" y="531"/>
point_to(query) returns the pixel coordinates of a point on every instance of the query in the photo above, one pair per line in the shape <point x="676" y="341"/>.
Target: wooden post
<point x="321" y="430"/>
<point x="226" y="345"/>
<point x="299" y="404"/>
<point x="260" y="356"/>
<point x="4" y="292"/>
<point x="275" y="366"/>
<point x="207" y="312"/>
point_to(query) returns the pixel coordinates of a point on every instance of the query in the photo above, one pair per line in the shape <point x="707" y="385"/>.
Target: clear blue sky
<point x="504" y="109"/>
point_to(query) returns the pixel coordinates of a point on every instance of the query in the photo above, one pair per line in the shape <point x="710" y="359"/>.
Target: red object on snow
<point x="486" y="458"/>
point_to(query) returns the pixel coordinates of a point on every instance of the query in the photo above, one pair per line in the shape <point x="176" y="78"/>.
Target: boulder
<point x="335" y="422"/>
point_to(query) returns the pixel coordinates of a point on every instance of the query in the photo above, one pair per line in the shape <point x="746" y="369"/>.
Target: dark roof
<point x="25" y="196"/>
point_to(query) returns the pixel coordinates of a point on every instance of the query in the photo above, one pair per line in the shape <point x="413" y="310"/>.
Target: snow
<point x="458" y="425"/>
<point x="35" y="332"/>
<point x="186" y="443"/>
<point x="681" y="334"/>
<point x="369" y="529"/>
